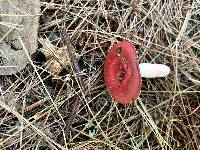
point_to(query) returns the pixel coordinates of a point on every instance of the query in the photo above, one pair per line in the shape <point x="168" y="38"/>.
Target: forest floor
<point x="59" y="101"/>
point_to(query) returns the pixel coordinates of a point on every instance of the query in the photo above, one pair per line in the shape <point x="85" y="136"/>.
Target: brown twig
<point x="70" y="52"/>
<point x="33" y="106"/>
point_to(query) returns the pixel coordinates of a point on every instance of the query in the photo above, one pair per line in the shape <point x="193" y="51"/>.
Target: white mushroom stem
<point x="149" y="70"/>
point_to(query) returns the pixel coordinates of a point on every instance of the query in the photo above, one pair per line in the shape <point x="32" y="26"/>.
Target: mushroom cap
<point x="121" y="72"/>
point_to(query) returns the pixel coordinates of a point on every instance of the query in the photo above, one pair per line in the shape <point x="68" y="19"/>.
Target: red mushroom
<point x="121" y="72"/>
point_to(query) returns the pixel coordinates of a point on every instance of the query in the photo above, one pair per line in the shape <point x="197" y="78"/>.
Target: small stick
<point x="33" y="106"/>
<point x="70" y="50"/>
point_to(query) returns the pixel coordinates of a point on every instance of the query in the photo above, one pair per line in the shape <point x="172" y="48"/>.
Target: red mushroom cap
<point x="121" y="72"/>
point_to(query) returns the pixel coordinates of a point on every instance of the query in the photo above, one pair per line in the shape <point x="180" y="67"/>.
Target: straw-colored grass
<point x="35" y="104"/>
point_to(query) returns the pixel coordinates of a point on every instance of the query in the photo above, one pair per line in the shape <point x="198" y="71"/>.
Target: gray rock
<point x="19" y="18"/>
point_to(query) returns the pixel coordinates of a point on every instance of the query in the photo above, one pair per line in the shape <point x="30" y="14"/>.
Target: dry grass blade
<point x="20" y="117"/>
<point x="49" y="96"/>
